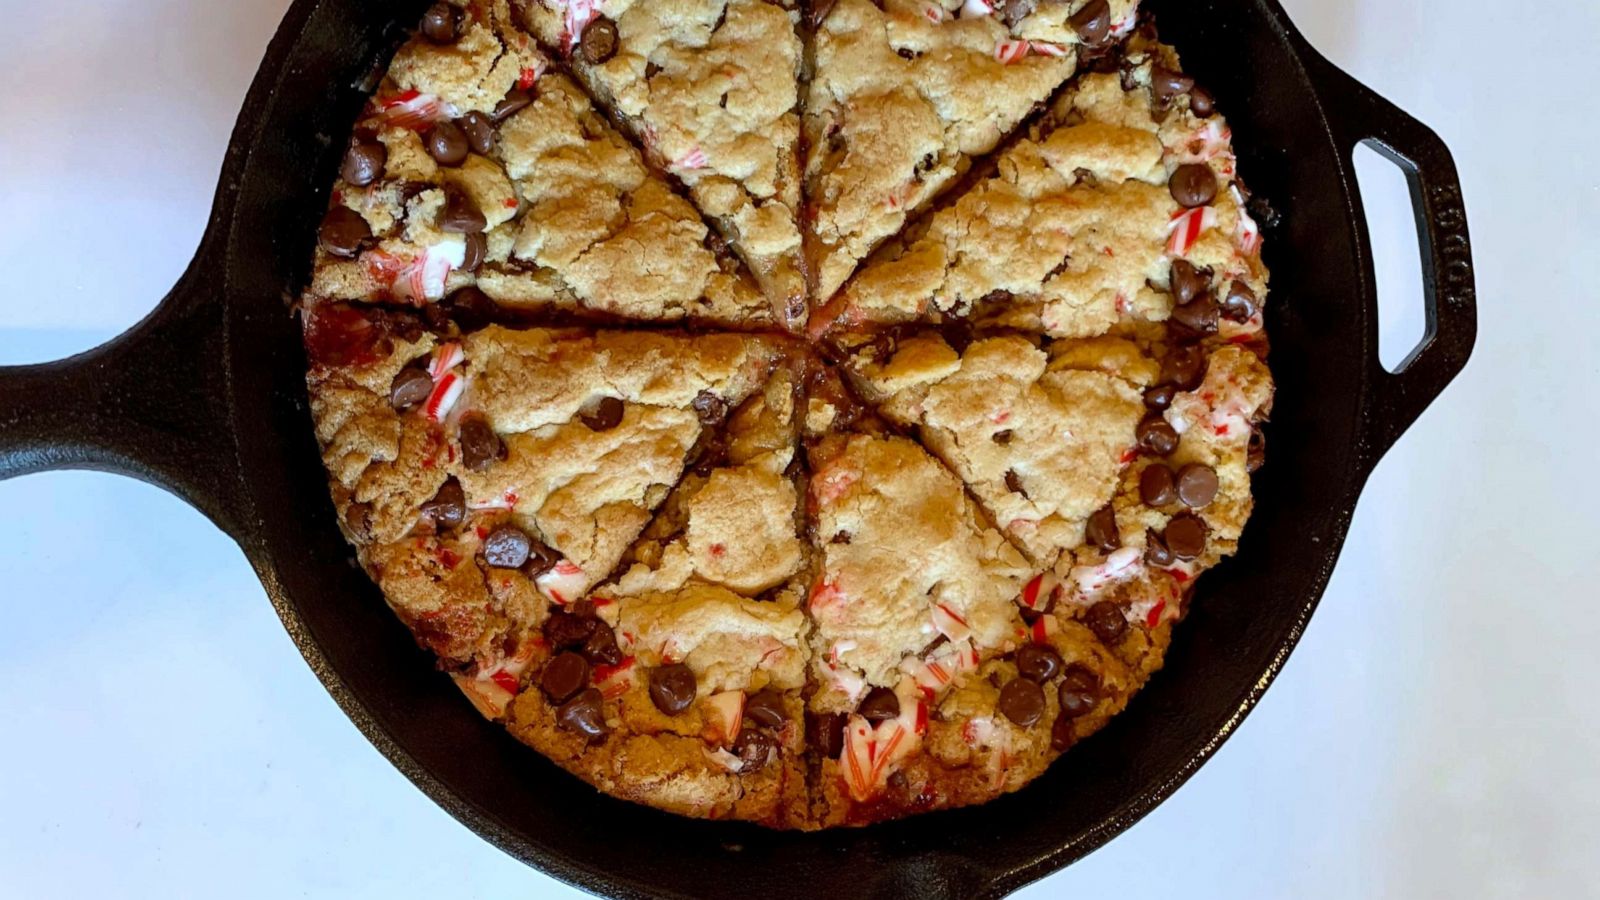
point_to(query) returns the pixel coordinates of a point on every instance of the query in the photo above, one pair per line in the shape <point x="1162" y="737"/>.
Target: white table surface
<point x="1435" y="734"/>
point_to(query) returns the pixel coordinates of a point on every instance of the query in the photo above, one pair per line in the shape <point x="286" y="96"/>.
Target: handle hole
<point x="1396" y="255"/>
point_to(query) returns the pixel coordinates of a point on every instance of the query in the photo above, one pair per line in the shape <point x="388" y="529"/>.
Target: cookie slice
<point x="907" y="92"/>
<point x="482" y="478"/>
<point x="1041" y="434"/>
<point x="710" y="89"/>
<point x="1121" y="206"/>
<point x="915" y="608"/>
<point x="702" y="665"/>
<point x="480" y="181"/>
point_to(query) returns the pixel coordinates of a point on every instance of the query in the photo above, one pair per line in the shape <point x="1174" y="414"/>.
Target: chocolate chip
<point x="363" y="162"/>
<point x="1192" y="185"/>
<point x="1201" y="103"/>
<point x="479" y="129"/>
<point x="1014" y="11"/>
<point x="1188" y="281"/>
<point x="447" y="144"/>
<point x="879" y="704"/>
<point x="1197" y="484"/>
<point x="515" y="101"/>
<point x="1156" y="435"/>
<point x="709" y="408"/>
<point x="1079" y="692"/>
<point x="599" y="41"/>
<point x="411" y="386"/>
<point x="584" y="714"/>
<point x="1002" y="437"/>
<point x="1101" y="530"/>
<point x="906" y="53"/>
<point x="507" y="547"/>
<point x="601" y="648"/>
<point x="448" y="508"/>
<point x="754" y="749"/>
<point x="1107" y="621"/>
<point x="1022" y="701"/>
<point x="564" y="676"/>
<point x="1039" y="662"/>
<point x="840" y="537"/>
<point x="1014" y="483"/>
<point x="563" y="629"/>
<point x="1155" y="549"/>
<point x="1158" y="398"/>
<point x="460" y="214"/>
<point x="477" y="250"/>
<point x="1166" y="84"/>
<point x="1157" y="487"/>
<point x="540" y="560"/>
<point x="604" y="415"/>
<point x="1062" y="734"/>
<point x="1240" y="302"/>
<point x="1184" y="367"/>
<point x="441" y="24"/>
<point x="1199" y="315"/>
<point x="1256" y="451"/>
<point x="342" y="232"/>
<point x="470" y="307"/>
<point x="1092" y="22"/>
<point x="766" y="708"/>
<point x="825" y="731"/>
<point x="480" y="446"/>
<point x="672" y="688"/>
<point x="1186" y="536"/>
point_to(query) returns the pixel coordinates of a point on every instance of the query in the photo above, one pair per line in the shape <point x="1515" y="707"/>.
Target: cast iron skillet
<point x="206" y="398"/>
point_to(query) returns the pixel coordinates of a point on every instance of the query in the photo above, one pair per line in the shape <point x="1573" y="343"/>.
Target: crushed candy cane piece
<point x="1045" y="48"/>
<point x="614" y="681"/>
<point x="694" y="159"/>
<point x="563" y="582"/>
<point x="846" y="680"/>
<point x="825" y="595"/>
<point x="1186" y="227"/>
<point x="1009" y="51"/>
<point x="949" y="623"/>
<point x="412" y="109"/>
<point x="447" y="357"/>
<point x="976" y="8"/>
<point x="1089" y="581"/>
<point x="933" y="12"/>
<point x="856" y="760"/>
<point x="1037" y="592"/>
<point x="445" y="394"/>
<point x="487" y="697"/>
<point x="724" y="759"/>
<point x="724" y="712"/>
<point x="579" y="13"/>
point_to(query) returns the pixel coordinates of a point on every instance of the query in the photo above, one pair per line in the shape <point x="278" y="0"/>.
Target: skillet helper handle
<point x="1359" y="116"/>
<point x="148" y="404"/>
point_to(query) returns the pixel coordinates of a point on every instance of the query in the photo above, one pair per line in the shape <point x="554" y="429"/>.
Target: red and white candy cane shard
<point x="564" y="582"/>
<point x="845" y="680"/>
<point x="1042" y="629"/>
<point x="1186" y="227"/>
<point x="724" y="759"/>
<point x="1124" y="26"/>
<point x="1248" y="234"/>
<point x="614" y="681"/>
<point x="694" y="159"/>
<point x="498" y="501"/>
<point x="530" y="75"/>
<point x="488" y="697"/>
<point x="579" y="13"/>
<point x="971" y="9"/>
<point x="856" y="760"/>
<point x="825" y="595"/>
<point x="446" y="391"/>
<point x="1009" y="51"/>
<point x="977" y="731"/>
<point x="933" y="12"/>
<point x="412" y="109"/>
<point x="424" y="278"/>
<point x="724" y="712"/>
<point x="1045" y="48"/>
<point x="929" y="676"/>
<point x="950" y="623"/>
<point x="447" y="357"/>
<point x="1037" y="592"/>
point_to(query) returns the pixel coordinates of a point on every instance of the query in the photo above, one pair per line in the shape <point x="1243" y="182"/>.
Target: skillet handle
<point x="1357" y="116"/>
<point x="149" y="404"/>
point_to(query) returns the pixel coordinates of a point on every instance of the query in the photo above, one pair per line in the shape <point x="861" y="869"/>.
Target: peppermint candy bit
<point x="1045" y="48"/>
<point x="976" y="8"/>
<point x="446" y="391"/>
<point x="562" y="583"/>
<point x="1186" y="227"/>
<point x="724" y="714"/>
<point x="949" y="623"/>
<point x="447" y="357"/>
<point x="1007" y="52"/>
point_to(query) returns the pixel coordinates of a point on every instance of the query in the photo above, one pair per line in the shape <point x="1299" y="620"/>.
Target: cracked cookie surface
<point x="714" y="557"/>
